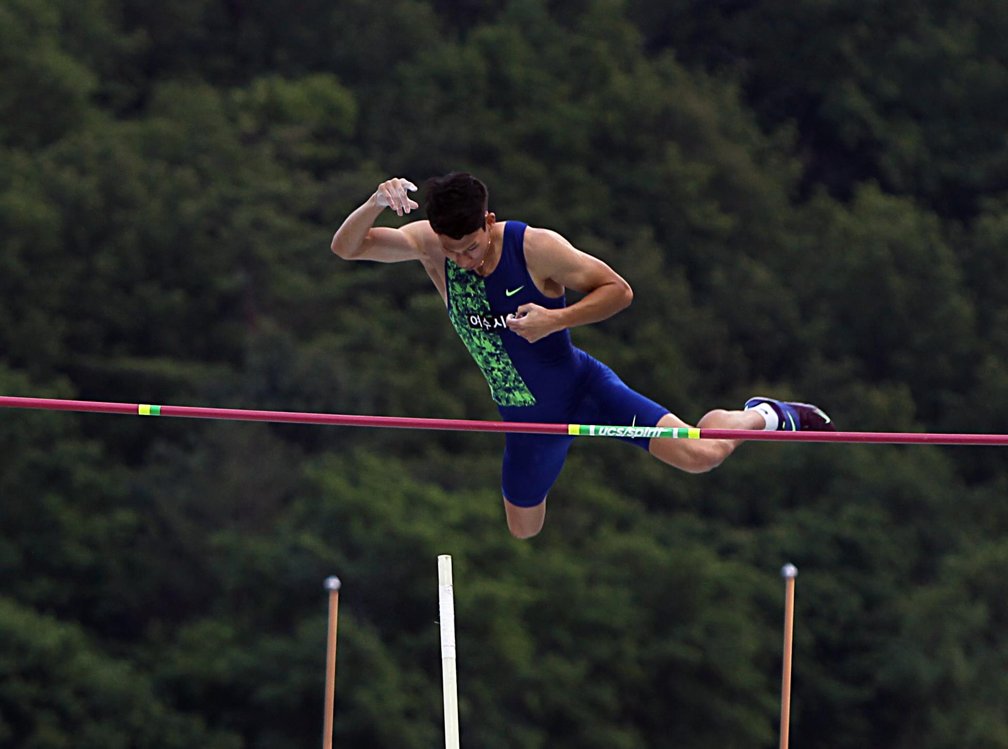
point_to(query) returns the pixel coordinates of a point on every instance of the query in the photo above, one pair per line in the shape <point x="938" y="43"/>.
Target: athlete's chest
<point x="475" y="302"/>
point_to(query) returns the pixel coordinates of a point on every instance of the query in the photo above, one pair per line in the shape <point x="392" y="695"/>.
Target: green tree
<point x="58" y="689"/>
<point x="46" y="90"/>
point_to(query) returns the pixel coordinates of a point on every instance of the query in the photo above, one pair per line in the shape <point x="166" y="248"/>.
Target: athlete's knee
<point x="522" y="533"/>
<point x="525" y="522"/>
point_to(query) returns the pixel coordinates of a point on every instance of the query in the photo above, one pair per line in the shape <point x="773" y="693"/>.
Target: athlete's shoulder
<point x="421" y="228"/>
<point x="422" y="236"/>
<point x="542" y="241"/>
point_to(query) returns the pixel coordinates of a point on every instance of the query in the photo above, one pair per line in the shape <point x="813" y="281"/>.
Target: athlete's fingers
<point x="517" y="324"/>
<point x="394" y="194"/>
<point x="404" y="187"/>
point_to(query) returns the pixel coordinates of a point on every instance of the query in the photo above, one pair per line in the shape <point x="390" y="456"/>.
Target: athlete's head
<point x="456" y="204"/>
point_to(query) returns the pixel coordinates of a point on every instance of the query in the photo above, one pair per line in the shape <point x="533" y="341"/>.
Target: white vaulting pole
<point x="446" y="607"/>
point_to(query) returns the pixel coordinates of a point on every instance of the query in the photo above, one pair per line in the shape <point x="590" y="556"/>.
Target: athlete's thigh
<point x="532" y="463"/>
<point x="610" y="401"/>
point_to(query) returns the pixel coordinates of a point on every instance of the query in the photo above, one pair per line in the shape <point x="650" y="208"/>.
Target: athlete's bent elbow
<point x="627" y="295"/>
<point x="341" y="250"/>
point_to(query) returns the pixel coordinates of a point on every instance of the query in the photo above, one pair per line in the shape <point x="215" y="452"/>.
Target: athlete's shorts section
<point x="532" y="462"/>
<point x="609" y="401"/>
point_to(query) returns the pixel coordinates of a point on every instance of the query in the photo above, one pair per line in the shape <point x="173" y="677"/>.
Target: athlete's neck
<point x="489" y="262"/>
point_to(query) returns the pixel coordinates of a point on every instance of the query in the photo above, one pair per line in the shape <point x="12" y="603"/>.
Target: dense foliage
<point x="810" y="198"/>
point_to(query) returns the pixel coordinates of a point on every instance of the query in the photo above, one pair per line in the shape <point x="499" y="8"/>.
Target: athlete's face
<point x="471" y="251"/>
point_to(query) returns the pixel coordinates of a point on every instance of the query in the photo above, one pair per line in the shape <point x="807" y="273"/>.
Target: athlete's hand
<point x="393" y="193"/>
<point x="532" y="322"/>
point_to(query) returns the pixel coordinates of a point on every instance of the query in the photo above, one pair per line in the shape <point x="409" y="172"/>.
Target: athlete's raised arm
<point x="359" y="239"/>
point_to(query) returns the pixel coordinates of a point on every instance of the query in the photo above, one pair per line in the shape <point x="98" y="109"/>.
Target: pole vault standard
<point x="333" y="585"/>
<point x="468" y="425"/>
<point x="789" y="572"/>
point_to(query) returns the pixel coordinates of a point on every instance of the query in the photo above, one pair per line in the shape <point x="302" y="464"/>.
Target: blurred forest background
<point x="810" y="199"/>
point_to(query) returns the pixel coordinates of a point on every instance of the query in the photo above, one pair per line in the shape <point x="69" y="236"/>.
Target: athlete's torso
<point x="521" y="375"/>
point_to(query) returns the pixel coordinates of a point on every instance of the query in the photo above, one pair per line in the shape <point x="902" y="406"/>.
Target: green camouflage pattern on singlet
<point x="467" y="298"/>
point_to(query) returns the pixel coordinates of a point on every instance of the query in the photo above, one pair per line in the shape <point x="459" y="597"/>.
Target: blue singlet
<point x="548" y="381"/>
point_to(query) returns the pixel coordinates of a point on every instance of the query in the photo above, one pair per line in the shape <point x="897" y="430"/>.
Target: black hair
<point x="456" y="204"/>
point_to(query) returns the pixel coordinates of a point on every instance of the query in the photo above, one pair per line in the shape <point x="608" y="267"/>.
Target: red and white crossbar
<point x="472" y="425"/>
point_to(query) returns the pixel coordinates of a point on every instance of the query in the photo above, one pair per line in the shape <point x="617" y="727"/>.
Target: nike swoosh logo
<point x="512" y="292"/>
